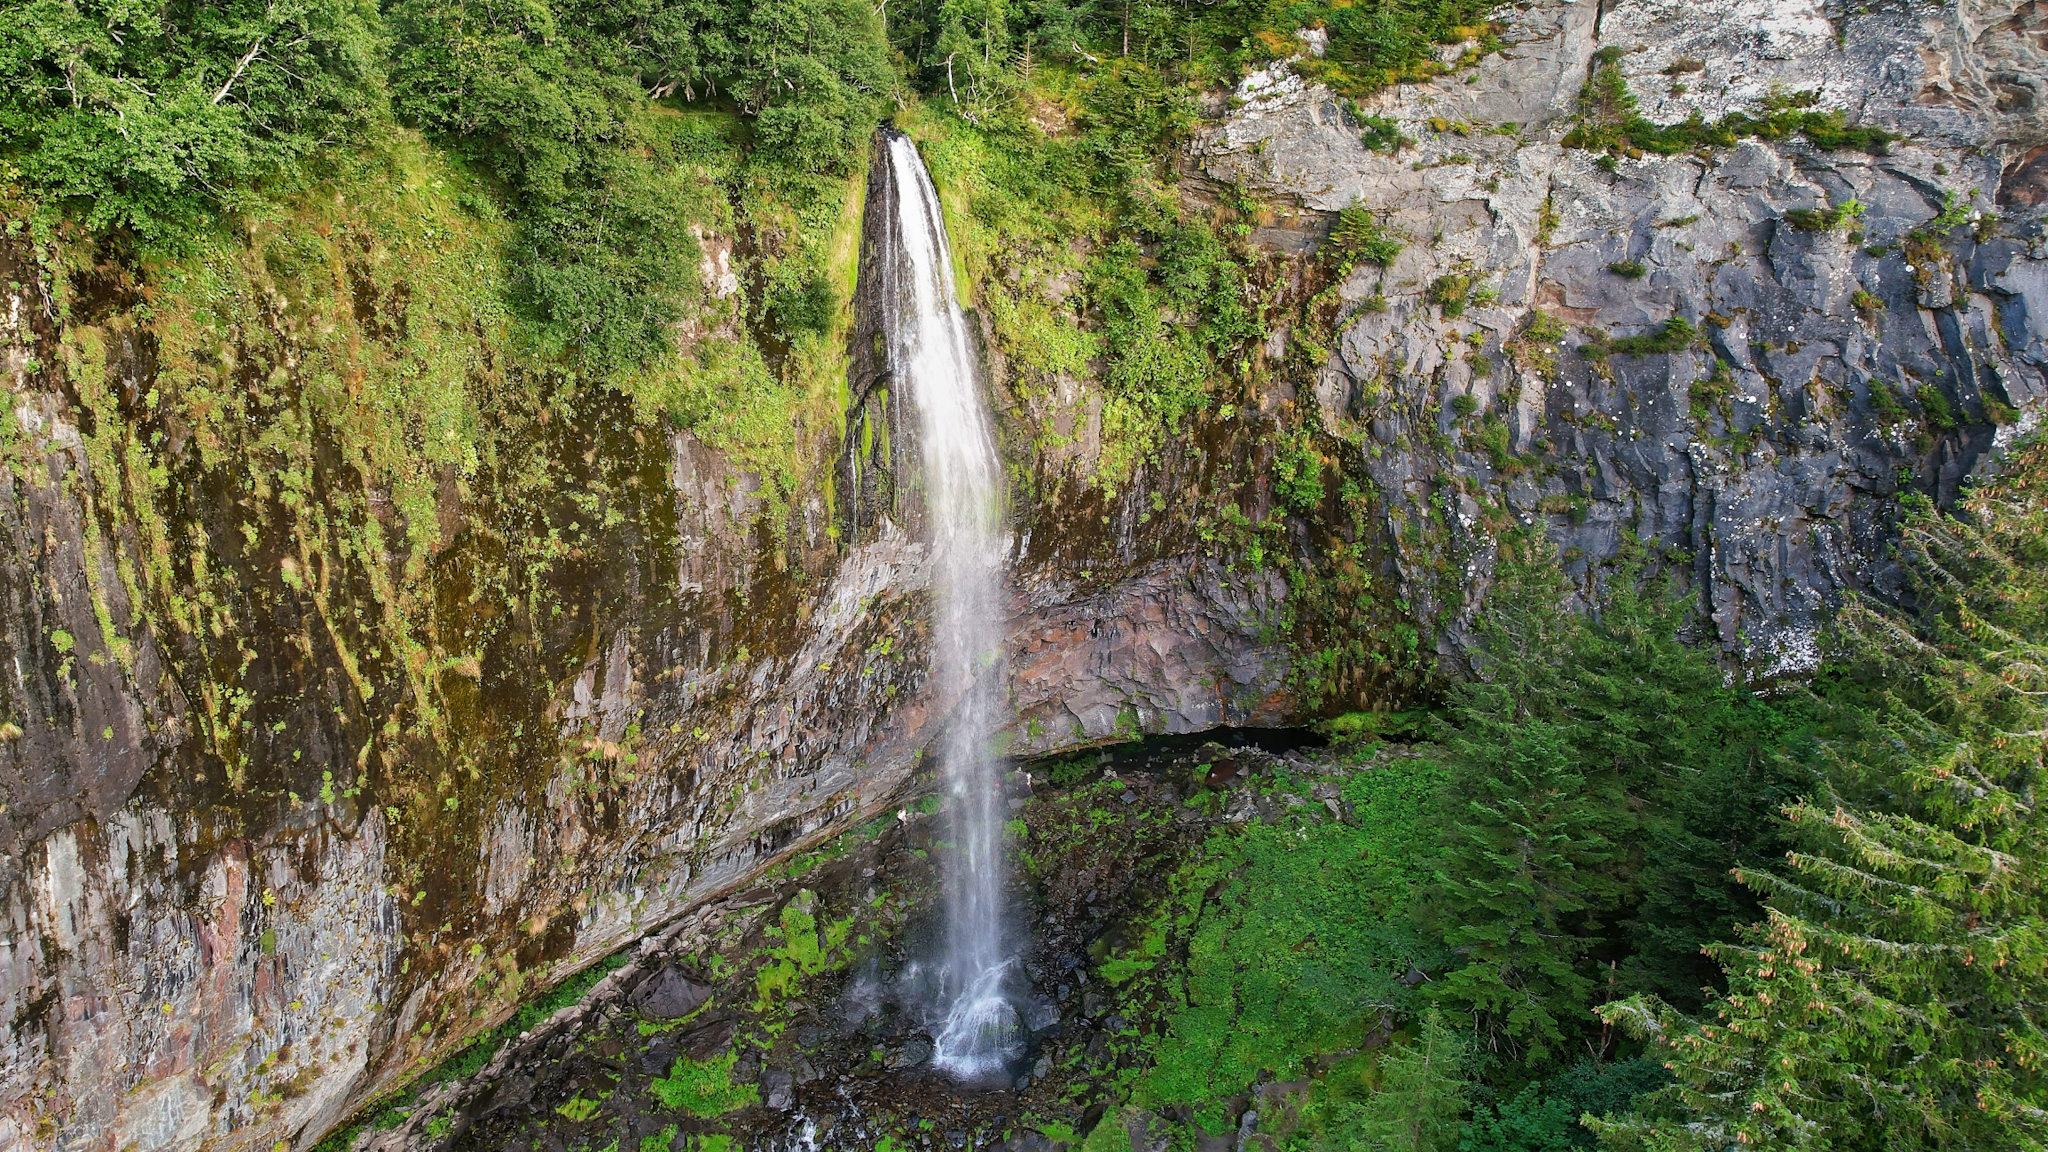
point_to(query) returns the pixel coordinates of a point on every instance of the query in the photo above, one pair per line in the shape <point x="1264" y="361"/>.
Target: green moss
<point x="703" y="1089"/>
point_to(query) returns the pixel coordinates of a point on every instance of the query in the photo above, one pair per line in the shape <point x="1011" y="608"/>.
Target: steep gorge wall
<point x="229" y="921"/>
<point x="1767" y="484"/>
<point x="310" y="779"/>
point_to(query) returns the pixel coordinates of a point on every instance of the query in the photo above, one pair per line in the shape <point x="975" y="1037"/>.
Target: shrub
<point x="1824" y="220"/>
<point x="1499" y="446"/>
<point x="1361" y="237"/>
<point x="1544" y="328"/>
<point x="1464" y="404"/>
<point x="151" y="118"/>
<point x="1934" y="404"/>
<point x="1886" y="403"/>
<point x="1628" y="269"/>
<point x="1677" y="335"/>
<point x="1452" y="291"/>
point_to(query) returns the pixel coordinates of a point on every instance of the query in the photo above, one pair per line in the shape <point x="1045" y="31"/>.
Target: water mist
<point x="930" y="353"/>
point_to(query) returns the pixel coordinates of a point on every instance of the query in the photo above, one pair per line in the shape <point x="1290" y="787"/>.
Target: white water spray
<point x="930" y="353"/>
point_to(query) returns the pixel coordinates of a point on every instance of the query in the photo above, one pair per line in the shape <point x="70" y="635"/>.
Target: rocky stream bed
<point x="794" y="1014"/>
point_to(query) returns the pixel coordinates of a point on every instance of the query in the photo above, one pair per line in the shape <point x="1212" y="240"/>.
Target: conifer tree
<point x="1421" y="1101"/>
<point x="1895" y="995"/>
<point x="1518" y="875"/>
<point x="1522" y="875"/>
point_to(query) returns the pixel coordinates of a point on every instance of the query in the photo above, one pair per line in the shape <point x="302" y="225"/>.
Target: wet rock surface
<point x="189" y="962"/>
<point x="839" y="1058"/>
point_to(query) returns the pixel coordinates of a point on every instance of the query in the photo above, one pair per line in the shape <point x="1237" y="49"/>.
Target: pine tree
<point x="1420" y="1104"/>
<point x="1518" y="875"/>
<point x="1523" y="876"/>
<point x="1895" y="995"/>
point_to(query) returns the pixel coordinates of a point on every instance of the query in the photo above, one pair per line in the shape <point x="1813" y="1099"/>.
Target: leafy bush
<point x="548" y="99"/>
<point x="703" y="1088"/>
<point x="152" y="118"/>
<point x="1934" y="404"/>
<point x="1886" y="403"/>
<point x="1361" y="237"/>
<point x="1452" y="291"/>
<point x="1628" y="269"/>
<point x="1298" y="474"/>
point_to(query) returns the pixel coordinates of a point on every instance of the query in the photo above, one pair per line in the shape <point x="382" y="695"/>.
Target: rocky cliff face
<point x="232" y="914"/>
<point x="240" y="903"/>
<point x="1855" y="351"/>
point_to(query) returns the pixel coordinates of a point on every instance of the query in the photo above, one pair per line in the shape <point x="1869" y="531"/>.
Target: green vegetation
<point x="1675" y="335"/>
<point x="1452" y="291"/>
<point x="550" y="104"/>
<point x="147" y="119"/>
<point x="1308" y="926"/>
<point x="703" y="1088"/>
<point x="1824" y="219"/>
<point x="1421" y="1099"/>
<point x="1934" y="404"/>
<point x="1361" y="237"/>
<point x="1617" y="887"/>
<point x="1893" y="995"/>
<point x="1609" y="122"/>
<point x="1566" y="837"/>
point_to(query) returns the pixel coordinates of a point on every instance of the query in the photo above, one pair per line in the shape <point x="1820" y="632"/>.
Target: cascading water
<point x="930" y="353"/>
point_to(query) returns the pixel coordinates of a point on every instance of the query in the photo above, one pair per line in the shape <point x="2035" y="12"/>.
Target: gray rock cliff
<point x="188" y="965"/>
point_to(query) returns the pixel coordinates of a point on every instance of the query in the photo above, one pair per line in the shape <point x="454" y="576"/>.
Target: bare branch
<point x="240" y="66"/>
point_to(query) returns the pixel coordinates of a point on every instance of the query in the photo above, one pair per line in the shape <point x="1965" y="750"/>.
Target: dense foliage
<point x="598" y="122"/>
<point x="1568" y="838"/>
<point x="1619" y="892"/>
<point x="1894" y="995"/>
<point x="147" y="117"/>
<point x="554" y="102"/>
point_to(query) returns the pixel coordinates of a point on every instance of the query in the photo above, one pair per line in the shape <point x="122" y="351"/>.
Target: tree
<point x="150" y="117"/>
<point x="1520" y="872"/>
<point x="1895" y="995"/>
<point x="1603" y="773"/>
<point x="1421" y="1101"/>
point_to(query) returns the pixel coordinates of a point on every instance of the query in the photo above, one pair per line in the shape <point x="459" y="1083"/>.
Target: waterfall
<point x="931" y="355"/>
